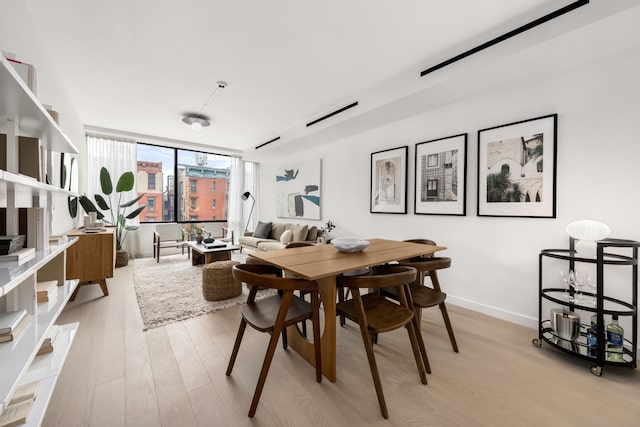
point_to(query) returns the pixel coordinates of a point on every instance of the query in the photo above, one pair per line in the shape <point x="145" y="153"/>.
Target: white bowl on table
<point x="350" y="245"/>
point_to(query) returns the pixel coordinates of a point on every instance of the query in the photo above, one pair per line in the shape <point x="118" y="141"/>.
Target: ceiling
<point x="137" y="66"/>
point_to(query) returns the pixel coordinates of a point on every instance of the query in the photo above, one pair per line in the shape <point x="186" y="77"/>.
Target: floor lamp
<point x="246" y="196"/>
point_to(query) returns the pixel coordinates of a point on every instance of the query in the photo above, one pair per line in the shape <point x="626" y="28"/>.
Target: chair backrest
<point x="383" y="276"/>
<point x="268" y="276"/>
<point x="298" y="244"/>
<point x="169" y="231"/>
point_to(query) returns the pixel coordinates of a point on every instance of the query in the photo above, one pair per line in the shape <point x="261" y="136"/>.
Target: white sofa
<point x="276" y="238"/>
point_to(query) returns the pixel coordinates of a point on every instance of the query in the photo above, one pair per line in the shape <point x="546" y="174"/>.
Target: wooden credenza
<point x="92" y="259"/>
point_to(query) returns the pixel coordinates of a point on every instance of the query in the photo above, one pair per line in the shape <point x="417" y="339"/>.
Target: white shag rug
<point x="171" y="290"/>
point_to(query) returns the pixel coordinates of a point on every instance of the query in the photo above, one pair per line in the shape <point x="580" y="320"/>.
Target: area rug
<point x="171" y="290"/>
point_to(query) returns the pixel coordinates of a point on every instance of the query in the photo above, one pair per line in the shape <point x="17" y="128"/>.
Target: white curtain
<point x="118" y="156"/>
<point x="244" y="177"/>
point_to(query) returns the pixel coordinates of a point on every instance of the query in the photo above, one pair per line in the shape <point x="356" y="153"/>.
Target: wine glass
<point x="569" y="279"/>
<point x="584" y="282"/>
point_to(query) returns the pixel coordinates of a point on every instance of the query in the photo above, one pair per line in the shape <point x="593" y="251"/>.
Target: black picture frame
<point x="517" y="168"/>
<point x="388" y="189"/>
<point x="441" y="176"/>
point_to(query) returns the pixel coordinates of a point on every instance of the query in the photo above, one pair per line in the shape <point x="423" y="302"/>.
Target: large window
<point x="187" y="185"/>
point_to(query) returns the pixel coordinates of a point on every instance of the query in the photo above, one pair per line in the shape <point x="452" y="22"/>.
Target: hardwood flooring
<point x="118" y="375"/>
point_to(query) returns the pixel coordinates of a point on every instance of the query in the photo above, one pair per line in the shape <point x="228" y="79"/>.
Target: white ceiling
<point x="138" y="66"/>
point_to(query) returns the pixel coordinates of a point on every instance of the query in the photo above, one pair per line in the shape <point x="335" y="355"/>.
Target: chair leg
<point x="273" y="342"/>
<point x="366" y="339"/>
<point x="236" y="346"/>
<point x="315" y="320"/>
<point x="417" y="352"/>
<point x="447" y="322"/>
<point x="285" y="342"/>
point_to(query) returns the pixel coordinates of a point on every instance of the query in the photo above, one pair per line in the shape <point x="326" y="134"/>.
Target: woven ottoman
<point x="218" y="282"/>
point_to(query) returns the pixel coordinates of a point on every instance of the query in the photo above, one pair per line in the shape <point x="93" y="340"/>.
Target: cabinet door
<point x="92" y="258"/>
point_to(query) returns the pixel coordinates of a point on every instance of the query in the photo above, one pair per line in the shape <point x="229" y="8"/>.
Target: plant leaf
<point x="105" y="181"/>
<point x="132" y="202"/>
<point x="102" y="203"/>
<point x="73" y="206"/>
<point x="131" y="227"/>
<point x="136" y="212"/>
<point x="87" y="204"/>
<point x="125" y="183"/>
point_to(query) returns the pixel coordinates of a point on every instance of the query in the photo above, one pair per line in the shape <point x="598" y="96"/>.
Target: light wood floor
<point x="118" y="375"/>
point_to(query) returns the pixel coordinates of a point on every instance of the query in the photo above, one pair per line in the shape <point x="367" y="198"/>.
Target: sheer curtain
<point x="244" y="177"/>
<point x="118" y="156"/>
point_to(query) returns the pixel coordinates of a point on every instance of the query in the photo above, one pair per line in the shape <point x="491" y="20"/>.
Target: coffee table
<point x="202" y="255"/>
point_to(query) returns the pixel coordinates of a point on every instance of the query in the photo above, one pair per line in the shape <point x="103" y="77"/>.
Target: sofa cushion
<point x="286" y="237"/>
<point x="300" y="233"/>
<point x="277" y="228"/>
<point x="262" y="230"/>
<point x="312" y="235"/>
<point x="252" y="241"/>
<point x="270" y="245"/>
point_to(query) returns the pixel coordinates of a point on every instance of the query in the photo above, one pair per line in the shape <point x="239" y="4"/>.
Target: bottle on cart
<point x="592" y="337"/>
<point x="615" y="339"/>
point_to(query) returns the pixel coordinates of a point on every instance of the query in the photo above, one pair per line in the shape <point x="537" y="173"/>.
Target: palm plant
<point x="112" y="203"/>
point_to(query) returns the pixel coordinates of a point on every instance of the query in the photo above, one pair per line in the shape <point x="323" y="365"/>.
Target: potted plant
<point x="197" y="231"/>
<point x="118" y="211"/>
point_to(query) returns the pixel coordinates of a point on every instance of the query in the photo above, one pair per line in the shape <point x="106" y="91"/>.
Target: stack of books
<point x="17" y="412"/>
<point x="12" y="323"/>
<point x="20" y="255"/>
<point x="47" y="291"/>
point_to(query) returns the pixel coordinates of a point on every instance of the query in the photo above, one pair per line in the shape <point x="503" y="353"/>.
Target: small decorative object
<point x="350" y="245"/>
<point x="389" y="181"/>
<point x="441" y="176"/>
<point x="512" y="178"/>
<point x="565" y="323"/>
<point x="587" y="232"/>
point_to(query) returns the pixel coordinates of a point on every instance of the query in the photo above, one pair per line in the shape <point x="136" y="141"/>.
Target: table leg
<point x="304" y="347"/>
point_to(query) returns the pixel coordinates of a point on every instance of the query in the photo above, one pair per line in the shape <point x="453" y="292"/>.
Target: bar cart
<point x="596" y="301"/>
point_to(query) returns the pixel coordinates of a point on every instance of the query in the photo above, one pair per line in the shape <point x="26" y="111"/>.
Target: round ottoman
<point x="218" y="282"/>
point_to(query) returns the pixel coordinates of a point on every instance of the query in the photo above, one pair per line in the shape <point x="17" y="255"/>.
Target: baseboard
<point x="499" y="313"/>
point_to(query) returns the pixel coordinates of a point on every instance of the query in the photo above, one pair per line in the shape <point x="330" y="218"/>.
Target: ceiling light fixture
<point x="198" y="120"/>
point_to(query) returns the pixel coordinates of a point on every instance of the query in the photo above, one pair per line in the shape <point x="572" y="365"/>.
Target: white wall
<point x="19" y="35"/>
<point x="495" y="260"/>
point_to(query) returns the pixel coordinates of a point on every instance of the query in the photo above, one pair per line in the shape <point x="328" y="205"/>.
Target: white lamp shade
<point x="587" y="229"/>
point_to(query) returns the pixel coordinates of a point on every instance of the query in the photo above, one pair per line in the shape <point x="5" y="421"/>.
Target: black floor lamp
<point x="246" y="196"/>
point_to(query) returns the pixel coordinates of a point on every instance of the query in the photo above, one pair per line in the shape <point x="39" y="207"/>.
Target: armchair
<point x="167" y="236"/>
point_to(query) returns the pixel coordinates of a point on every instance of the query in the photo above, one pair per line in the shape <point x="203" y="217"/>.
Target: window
<point x="432" y="188"/>
<point x="180" y="180"/>
<point x="151" y="181"/>
<point x="151" y="203"/>
<point x="432" y="160"/>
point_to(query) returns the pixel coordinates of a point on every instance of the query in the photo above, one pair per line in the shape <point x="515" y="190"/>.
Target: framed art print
<point x="517" y="169"/>
<point x="441" y="176"/>
<point x="389" y="181"/>
<point x="298" y="190"/>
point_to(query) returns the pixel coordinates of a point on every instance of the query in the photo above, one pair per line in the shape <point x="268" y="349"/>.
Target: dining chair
<point x="376" y="314"/>
<point x="274" y="314"/>
<point x="424" y="296"/>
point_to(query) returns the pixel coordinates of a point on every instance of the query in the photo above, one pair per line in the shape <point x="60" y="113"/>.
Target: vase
<point x="122" y="258"/>
<point x="199" y="238"/>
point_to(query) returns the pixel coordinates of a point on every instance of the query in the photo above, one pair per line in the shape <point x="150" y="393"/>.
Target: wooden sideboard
<point x="92" y="259"/>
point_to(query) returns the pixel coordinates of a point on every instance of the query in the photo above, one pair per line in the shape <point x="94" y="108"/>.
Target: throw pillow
<point x="262" y="230"/>
<point x="312" y="235"/>
<point x="300" y="233"/>
<point x="286" y="237"/>
<point x="277" y="228"/>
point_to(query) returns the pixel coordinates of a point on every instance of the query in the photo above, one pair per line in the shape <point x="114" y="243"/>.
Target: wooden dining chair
<point x="424" y="296"/>
<point x="274" y="314"/>
<point x="376" y="314"/>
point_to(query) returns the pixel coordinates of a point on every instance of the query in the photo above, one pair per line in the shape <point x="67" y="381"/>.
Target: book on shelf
<point x="57" y="239"/>
<point x="25" y="392"/>
<point x="46" y="290"/>
<point x="16" y="331"/>
<point x="10" y="319"/>
<point x="46" y="347"/>
<point x="15" y="415"/>
<point x="23" y="254"/>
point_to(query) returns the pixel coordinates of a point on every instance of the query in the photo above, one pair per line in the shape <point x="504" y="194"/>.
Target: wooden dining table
<point x="324" y="263"/>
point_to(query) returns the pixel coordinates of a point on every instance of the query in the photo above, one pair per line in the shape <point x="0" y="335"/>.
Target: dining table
<point x="324" y="263"/>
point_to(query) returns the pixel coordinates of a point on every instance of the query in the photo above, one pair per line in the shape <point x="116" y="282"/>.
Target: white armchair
<point x="167" y="236"/>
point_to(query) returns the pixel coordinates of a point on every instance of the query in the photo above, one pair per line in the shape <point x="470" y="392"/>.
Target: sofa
<point x="270" y="236"/>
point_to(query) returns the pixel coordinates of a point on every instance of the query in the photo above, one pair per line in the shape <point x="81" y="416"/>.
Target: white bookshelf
<point x="22" y="115"/>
